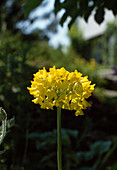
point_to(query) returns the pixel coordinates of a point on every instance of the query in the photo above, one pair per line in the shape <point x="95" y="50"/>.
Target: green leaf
<point x="64" y="17"/>
<point x="87" y="156"/>
<point x="97" y="148"/>
<point x="30" y="5"/>
<point x="88" y="12"/>
<point x="101" y="147"/>
<point x="71" y="22"/>
<point x="57" y="6"/>
<point x="114" y="167"/>
<point x="99" y="15"/>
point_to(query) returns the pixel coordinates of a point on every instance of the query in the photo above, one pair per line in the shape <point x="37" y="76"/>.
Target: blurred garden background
<point x="89" y="142"/>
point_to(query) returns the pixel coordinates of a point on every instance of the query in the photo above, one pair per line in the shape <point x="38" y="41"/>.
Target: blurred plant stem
<point x="3" y="118"/>
<point x="59" y="148"/>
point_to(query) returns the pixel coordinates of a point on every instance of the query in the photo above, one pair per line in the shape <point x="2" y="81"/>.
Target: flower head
<point x="60" y="88"/>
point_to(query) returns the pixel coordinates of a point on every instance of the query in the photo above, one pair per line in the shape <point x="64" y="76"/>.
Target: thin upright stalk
<point x="59" y="146"/>
<point x="3" y="117"/>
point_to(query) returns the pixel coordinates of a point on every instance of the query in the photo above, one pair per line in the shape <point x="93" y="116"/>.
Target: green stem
<point x="59" y="148"/>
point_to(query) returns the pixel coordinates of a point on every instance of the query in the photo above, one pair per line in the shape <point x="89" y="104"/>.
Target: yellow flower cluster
<point x="60" y="88"/>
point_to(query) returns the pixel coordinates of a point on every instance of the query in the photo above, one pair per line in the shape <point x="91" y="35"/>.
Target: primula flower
<point x="60" y="88"/>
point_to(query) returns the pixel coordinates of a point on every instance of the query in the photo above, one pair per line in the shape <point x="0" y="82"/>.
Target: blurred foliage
<point x="103" y="47"/>
<point x="31" y="142"/>
<point x="88" y="142"/>
<point x="109" y="41"/>
<point x="12" y="18"/>
<point x="76" y="8"/>
<point x="11" y="12"/>
<point x="77" y="41"/>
